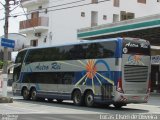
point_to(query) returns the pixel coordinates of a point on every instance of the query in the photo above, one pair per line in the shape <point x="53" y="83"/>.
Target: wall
<point x="63" y="24"/>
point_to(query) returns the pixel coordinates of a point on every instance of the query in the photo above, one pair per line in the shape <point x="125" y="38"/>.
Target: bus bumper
<point x="131" y="98"/>
<point x="16" y="92"/>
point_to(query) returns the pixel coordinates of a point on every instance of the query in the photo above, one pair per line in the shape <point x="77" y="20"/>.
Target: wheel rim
<point x="25" y="93"/>
<point x="89" y="99"/>
<point x="34" y="95"/>
<point x="77" y="98"/>
<point x="59" y="100"/>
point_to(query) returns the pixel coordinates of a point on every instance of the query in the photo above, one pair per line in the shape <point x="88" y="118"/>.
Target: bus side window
<point x="20" y="57"/>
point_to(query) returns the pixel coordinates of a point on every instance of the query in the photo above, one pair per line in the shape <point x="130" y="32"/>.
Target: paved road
<point x="31" y="110"/>
<point x="68" y="111"/>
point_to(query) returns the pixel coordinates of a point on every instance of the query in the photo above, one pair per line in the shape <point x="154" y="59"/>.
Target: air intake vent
<point x="135" y="73"/>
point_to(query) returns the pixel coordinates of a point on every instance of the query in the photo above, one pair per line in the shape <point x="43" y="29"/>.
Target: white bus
<point x="110" y="71"/>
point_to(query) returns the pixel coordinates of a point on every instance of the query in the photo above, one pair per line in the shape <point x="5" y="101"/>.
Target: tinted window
<point x="49" y="78"/>
<point x="20" y="57"/>
<point x="73" y="52"/>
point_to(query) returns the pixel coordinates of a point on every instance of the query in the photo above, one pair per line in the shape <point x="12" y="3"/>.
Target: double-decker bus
<point x="109" y="71"/>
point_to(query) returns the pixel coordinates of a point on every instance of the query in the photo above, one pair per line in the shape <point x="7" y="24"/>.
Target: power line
<point x="76" y="6"/>
<point x="66" y="4"/>
<point x="35" y="10"/>
<point x="2" y="4"/>
<point x="15" y="8"/>
<point x="17" y="14"/>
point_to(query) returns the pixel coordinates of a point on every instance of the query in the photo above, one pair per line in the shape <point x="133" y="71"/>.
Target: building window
<point x="115" y="18"/>
<point x="94" y="18"/>
<point x="46" y="11"/>
<point x="82" y="14"/>
<point x="123" y="15"/>
<point x="34" y="15"/>
<point x="126" y="15"/>
<point x="130" y="15"/>
<point x="116" y="3"/>
<point x="40" y="7"/>
<point x="94" y="1"/>
<point x="45" y="39"/>
<point x="34" y="43"/>
<point x="104" y="17"/>
<point x="141" y="1"/>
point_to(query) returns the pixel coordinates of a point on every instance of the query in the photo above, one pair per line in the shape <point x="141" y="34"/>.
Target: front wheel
<point x="25" y="94"/>
<point x="89" y="99"/>
<point x="77" y="98"/>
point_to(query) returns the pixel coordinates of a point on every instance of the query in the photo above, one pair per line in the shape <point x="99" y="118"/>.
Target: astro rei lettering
<point x="52" y="66"/>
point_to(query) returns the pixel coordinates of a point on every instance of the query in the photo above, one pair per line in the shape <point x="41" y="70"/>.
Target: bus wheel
<point x="50" y="100"/>
<point x="25" y="94"/>
<point x="89" y="99"/>
<point x="77" y="98"/>
<point x="34" y="94"/>
<point x="59" y="100"/>
<point x="117" y="105"/>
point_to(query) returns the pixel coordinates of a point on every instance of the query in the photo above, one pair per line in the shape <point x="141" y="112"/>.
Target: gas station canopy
<point x="147" y="28"/>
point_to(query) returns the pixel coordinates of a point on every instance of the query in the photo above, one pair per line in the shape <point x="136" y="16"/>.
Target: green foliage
<point x="1" y="64"/>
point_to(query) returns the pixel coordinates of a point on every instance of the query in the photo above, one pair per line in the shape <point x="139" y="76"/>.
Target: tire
<point x="89" y="99"/>
<point x="25" y="94"/>
<point x="59" y="100"/>
<point x="34" y="94"/>
<point x="117" y="105"/>
<point x="50" y="100"/>
<point x="77" y="98"/>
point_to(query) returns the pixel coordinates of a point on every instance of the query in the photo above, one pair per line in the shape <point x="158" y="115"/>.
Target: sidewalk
<point x="4" y="99"/>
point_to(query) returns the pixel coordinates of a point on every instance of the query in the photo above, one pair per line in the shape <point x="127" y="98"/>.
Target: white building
<point x="57" y="21"/>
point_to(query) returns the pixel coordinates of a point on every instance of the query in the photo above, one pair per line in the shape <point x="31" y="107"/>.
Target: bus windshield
<point x="136" y="46"/>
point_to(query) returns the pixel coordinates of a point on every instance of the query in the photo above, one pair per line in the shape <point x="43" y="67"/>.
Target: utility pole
<point x="5" y="56"/>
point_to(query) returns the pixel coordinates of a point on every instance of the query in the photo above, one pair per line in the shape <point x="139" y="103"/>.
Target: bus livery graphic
<point x="135" y="60"/>
<point x="91" y="73"/>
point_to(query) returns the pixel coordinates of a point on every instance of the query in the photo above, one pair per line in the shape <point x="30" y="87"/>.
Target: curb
<point x="6" y="100"/>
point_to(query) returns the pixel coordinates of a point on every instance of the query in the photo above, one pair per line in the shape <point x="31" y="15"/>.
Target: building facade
<point x="51" y="22"/>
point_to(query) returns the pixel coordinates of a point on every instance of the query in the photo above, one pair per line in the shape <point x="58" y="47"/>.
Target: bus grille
<point x="135" y="73"/>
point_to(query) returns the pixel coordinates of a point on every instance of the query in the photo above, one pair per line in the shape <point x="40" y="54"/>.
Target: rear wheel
<point x="118" y="105"/>
<point x="34" y="94"/>
<point x="77" y="98"/>
<point x="59" y="100"/>
<point x="25" y="94"/>
<point x="50" y="100"/>
<point x="89" y="99"/>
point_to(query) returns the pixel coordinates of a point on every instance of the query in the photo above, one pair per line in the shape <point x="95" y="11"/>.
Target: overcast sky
<point x="13" y="22"/>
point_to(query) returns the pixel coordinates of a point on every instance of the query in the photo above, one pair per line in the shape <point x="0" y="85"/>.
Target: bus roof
<point x="75" y="43"/>
<point x="85" y="42"/>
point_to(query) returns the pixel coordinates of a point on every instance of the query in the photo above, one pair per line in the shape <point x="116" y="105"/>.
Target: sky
<point x="13" y="22"/>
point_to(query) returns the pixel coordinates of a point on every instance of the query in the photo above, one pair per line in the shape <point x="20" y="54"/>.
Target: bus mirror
<point x="10" y="67"/>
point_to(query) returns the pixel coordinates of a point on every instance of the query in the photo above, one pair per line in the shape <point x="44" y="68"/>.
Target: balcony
<point x="27" y="3"/>
<point x="39" y="24"/>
